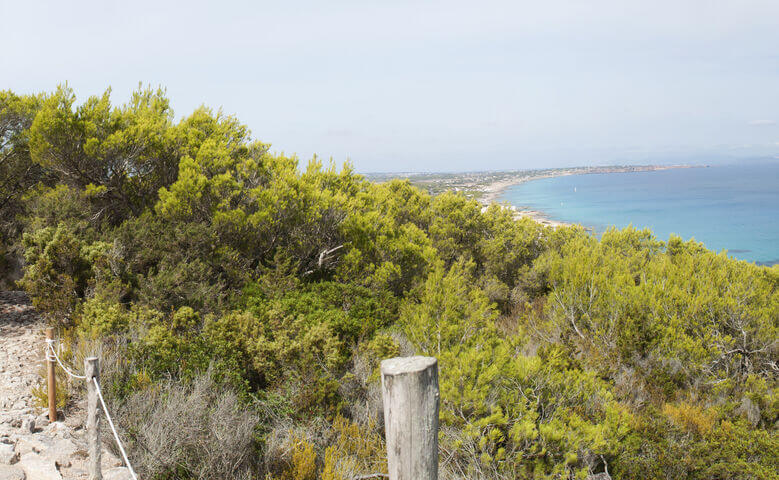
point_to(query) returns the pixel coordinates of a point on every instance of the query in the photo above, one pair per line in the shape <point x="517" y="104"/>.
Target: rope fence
<point x="410" y="398"/>
<point x="51" y="355"/>
<point x="95" y="395"/>
<point x="113" y="429"/>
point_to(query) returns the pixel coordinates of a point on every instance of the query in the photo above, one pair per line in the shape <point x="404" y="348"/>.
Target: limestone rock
<point x="42" y="421"/>
<point x="7" y="454"/>
<point x="61" y="452"/>
<point x="28" y="425"/>
<point x="39" y="467"/>
<point x="30" y="444"/>
<point x="11" y="472"/>
<point x="31" y="447"/>
<point x="118" y="473"/>
<point x="74" y="473"/>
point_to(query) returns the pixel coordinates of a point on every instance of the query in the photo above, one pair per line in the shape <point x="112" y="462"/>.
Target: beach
<point x="727" y="207"/>
<point x="492" y="192"/>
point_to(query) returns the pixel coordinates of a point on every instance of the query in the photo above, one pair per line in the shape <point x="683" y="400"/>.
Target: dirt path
<point x="30" y="447"/>
<point x="20" y="332"/>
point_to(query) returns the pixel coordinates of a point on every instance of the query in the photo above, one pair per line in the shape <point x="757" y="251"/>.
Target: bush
<point x="198" y="430"/>
<point x="58" y="271"/>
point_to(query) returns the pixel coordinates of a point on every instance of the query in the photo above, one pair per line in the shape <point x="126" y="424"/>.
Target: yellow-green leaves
<point x="449" y="313"/>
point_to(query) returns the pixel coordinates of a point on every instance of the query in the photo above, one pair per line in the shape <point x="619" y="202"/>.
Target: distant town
<point x="488" y="185"/>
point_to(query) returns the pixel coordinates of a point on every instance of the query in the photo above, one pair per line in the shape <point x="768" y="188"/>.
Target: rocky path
<point x="31" y="448"/>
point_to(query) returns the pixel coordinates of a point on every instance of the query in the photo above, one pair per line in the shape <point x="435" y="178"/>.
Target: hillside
<point x="218" y="278"/>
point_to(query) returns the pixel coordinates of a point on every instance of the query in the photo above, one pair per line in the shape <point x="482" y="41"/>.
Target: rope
<point x="53" y="356"/>
<point x="113" y="429"/>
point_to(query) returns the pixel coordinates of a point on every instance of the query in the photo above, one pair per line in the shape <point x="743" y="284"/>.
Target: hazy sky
<point x="399" y="86"/>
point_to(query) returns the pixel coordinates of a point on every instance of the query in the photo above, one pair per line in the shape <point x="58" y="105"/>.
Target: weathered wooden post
<point x="92" y="369"/>
<point x="410" y="392"/>
<point x="52" y="383"/>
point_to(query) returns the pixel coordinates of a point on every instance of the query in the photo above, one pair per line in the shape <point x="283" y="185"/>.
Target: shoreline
<point x="494" y="190"/>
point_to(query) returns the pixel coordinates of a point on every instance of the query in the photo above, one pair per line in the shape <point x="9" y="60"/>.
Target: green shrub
<point x="58" y="271"/>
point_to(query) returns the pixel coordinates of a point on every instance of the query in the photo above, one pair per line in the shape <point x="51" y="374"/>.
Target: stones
<point x="42" y="421"/>
<point x="74" y="473"/>
<point x="11" y="472"/>
<point x="119" y="473"/>
<point x="31" y="447"/>
<point x="7" y="454"/>
<point x="28" y="425"/>
<point x="61" y="452"/>
<point x="31" y="444"/>
<point x="39" y="467"/>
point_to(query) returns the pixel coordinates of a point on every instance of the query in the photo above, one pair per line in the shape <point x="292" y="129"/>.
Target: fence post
<point x="410" y="392"/>
<point x="92" y="369"/>
<point x="52" y="384"/>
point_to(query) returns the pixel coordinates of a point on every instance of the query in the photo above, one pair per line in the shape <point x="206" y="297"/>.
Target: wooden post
<point x="50" y="365"/>
<point x="92" y="369"/>
<point x="410" y="391"/>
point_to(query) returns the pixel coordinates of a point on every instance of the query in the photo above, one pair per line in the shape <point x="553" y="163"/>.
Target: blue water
<point x="734" y="208"/>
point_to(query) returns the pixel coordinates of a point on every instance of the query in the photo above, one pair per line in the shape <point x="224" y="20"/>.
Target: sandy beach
<point x="534" y="215"/>
<point x="492" y="192"/>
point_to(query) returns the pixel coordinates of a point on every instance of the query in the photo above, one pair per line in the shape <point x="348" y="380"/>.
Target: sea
<point x="727" y="207"/>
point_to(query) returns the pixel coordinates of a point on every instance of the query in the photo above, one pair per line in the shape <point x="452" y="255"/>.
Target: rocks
<point x="61" y="452"/>
<point x="42" y="421"/>
<point x="11" y="472"/>
<point x="7" y="454"/>
<point x="39" y="467"/>
<point x="30" y="448"/>
<point x="28" y="425"/>
<point x="119" y="473"/>
<point x="32" y="444"/>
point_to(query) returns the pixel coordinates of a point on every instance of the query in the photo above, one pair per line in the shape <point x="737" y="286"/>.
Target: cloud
<point x="762" y="123"/>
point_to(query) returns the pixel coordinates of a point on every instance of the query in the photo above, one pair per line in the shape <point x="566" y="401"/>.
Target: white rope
<point x="113" y="429"/>
<point x="53" y="356"/>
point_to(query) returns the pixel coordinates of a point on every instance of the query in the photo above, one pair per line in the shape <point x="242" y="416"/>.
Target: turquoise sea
<point x="732" y="207"/>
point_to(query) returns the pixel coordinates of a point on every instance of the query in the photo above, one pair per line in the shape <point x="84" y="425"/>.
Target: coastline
<point x="492" y="192"/>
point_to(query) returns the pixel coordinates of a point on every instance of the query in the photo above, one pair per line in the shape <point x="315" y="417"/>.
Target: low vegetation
<point x="241" y="305"/>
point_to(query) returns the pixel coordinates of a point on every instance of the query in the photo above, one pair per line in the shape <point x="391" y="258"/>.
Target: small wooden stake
<point x="92" y="369"/>
<point x="410" y="392"/>
<point x="50" y="365"/>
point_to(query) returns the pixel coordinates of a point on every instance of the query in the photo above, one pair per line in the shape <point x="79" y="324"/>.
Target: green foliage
<point x="99" y="317"/>
<point x="119" y="156"/>
<point x="18" y="172"/>
<point x="387" y="245"/>
<point x="58" y="271"/>
<point x="52" y="206"/>
<point x="457" y="227"/>
<point x="625" y="299"/>
<point x="450" y="313"/>
<point x="188" y="250"/>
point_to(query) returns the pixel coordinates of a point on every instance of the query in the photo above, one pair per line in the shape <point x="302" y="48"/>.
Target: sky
<point x="430" y="86"/>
